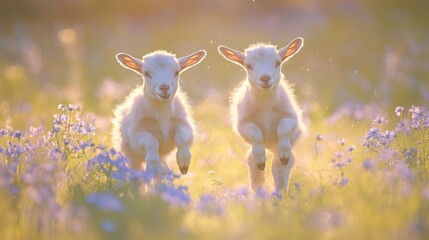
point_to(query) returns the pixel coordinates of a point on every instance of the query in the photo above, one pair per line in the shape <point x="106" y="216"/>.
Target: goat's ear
<point x="130" y="62"/>
<point x="191" y="60"/>
<point x="293" y="47"/>
<point x="232" y="55"/>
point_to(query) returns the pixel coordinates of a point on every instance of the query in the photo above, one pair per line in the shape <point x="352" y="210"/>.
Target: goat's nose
<point x="164" y="87"/>
<point x="265" y="78"/>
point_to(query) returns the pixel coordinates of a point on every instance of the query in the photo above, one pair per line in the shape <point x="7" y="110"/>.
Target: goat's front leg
<point x="253" y="135"/>
<point x="285" y="129"/>
<point x="183" y="138"/>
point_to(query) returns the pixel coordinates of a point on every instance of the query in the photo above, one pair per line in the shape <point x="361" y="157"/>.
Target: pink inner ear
<point x="290" y="51"/>
<point x="129" y="62"/>
<point x="231" y="55"/>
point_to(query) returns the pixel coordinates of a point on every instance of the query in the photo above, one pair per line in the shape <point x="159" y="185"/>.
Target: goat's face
<point x="263" y="67"/>
<point x="161" y="75"/>
<point x="263" y="62"/>
<point x="160" y="71"/>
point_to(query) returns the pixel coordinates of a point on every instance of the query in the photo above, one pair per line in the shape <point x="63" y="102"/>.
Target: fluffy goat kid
<point x="154" y="119"/>
<point x="264" y="111"/>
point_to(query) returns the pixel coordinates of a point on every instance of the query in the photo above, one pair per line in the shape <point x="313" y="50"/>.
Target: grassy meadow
<point x="362" y="169"/>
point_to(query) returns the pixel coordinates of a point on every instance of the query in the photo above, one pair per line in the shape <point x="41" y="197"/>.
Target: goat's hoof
<point x="284" y="161"/>
<point x="183" y="170"/>
<point x="261" y="166"/>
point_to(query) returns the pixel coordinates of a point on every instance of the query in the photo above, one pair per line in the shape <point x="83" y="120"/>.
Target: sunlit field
<point x="362" y="168"/>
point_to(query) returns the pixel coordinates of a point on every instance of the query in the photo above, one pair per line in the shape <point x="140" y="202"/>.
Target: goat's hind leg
<point x="281" y="173"/>
<point x="257" y="177"/>
<point x="183" y="138"/>
<point x="286" y="130"/>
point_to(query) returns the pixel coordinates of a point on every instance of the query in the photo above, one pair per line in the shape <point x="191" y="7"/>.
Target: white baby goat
<point x="154" y="118"/>
<point x="264" y="111"/>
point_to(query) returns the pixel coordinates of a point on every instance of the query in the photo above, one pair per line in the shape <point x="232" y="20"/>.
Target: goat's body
<point x="265" y="110"/>
<point x="140" y="113"/>
<point x="278" y="117"/>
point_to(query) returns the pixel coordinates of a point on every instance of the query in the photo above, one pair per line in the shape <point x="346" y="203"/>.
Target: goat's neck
<point x="263" y="100"/>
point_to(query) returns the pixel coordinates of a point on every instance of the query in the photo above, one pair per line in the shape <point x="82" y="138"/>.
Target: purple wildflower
<point x="403" y="126"/>
<point x="319" y="137"/>
<point x="105" y="201"/>
<point x="398" y="110"/>
<point x="372" y="133"/>
<point x="72" y="107"/>
<point x="344" y="181"/>
<point x="418" y="116"/>
<point x="16" y="134"/>
<point x="340" y="164"/>
<point x="208" y="204"/>
<point x="175" y="196"/>
<point x="60" y="119"/>
<point x="410" y="153"/>
<point x="62" y="107"/>
<point x="4" y="133"/>
<point x="339" y="154"/>
<point x="368" y="164"/>
<point x="341" y="141"/>
<point x="379" y="120"/>
<point x="351" y="148"/>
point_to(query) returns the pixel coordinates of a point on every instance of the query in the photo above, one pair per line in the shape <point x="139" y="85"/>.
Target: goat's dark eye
<point x="249" y="67"/>
<point x="146" y="74"/>
<point x="176" y="73"/>
<point x="277" y="64"/>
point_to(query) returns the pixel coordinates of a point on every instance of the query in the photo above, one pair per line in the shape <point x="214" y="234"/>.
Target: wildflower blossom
<point x="372" y="133"/>
<point x="175" y="196"/>
<point x="351" y="148"/>
<point x="339" y="154"/>
<point x="368" y="164"/>
<point x="341" y="141"/>
<point x="4" y="133"/>
<point x="342" y="181"/>
<point x="62" y="107"/>
<point x="398" y="110"/>
<point x="105" y="201"/>
<point x="16" y="134"/>
<point x="210" y="205"/>
<point x="418" y="117"/>
<point x="72" y="107"/>
<point x="410" y="153"/>
<point x="60" y="119"/>
<point x="34" y="131"/>
<point x="319" y="137"/>
<point x="341" y="164"/>
<point x="379" y="120"/>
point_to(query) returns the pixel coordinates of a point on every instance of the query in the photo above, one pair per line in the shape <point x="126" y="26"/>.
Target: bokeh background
<point x="355" y="51"/>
